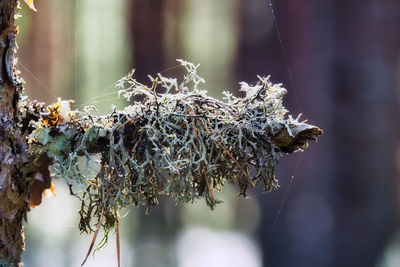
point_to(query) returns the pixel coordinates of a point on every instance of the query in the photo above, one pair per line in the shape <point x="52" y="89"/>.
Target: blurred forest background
<point x="341" y="66"/>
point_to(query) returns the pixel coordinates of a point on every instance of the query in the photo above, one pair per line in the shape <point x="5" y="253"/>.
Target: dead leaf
<point x="40" y="183"/>
<point x="30" y="4"/>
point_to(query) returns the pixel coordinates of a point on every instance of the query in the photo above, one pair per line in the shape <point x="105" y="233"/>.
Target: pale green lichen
<point x="179" y="143"/>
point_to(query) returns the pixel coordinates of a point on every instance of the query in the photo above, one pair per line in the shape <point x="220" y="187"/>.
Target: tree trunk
<point x="366" y="130"/>
<point x="148" y="41"/>
<point x="13" y="188"/>
<point x="341" y="211"/>
<point x="293" y="238"/>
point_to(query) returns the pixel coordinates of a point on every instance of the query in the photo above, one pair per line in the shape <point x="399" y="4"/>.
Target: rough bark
<point x="13" y="188"/>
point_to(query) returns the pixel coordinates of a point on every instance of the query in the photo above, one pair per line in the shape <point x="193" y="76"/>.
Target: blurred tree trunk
<point x="302" y="234"/>
<point x="340" y="209"/>
<point x="259" y="47"/>
<point x="366" y="129"/>
<point x="13" y="189"/>
<point x="37" y="54"/>
<point x="146" y="27"/>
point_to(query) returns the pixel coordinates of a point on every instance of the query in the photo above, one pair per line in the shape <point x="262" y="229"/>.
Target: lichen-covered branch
<point x="173" y="140"/>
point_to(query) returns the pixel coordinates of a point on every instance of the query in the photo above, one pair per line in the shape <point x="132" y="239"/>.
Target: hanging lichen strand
<point x="180" y="143"/>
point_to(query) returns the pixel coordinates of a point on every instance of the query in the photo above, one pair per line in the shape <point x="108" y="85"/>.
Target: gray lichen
<point x="180" y="143"/>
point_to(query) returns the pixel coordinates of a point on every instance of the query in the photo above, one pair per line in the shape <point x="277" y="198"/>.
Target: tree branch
<point x="180" y="143"/>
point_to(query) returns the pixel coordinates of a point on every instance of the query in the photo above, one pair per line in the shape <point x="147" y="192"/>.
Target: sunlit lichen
<point x="180" y="143"/>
